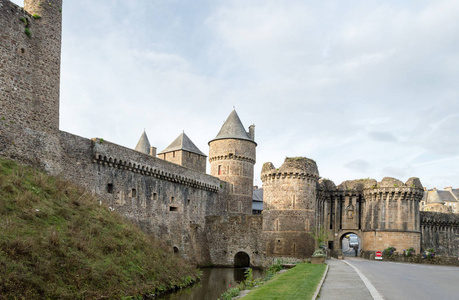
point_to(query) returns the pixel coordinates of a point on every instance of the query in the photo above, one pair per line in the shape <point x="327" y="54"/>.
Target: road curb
<point x="320" y="284"/>
<point x="373" y="292"/>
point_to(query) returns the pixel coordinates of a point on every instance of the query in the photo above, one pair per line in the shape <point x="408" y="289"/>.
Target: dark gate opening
<point x="241" y="260"/>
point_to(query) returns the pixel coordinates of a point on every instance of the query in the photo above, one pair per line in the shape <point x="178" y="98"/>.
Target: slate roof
<point x="446" y="196"/>
<point x="143" y="145"/>
<point x="456" y="193"/>
<point x="434" y="197"/>
<point x="258" y="195"/>
<point x="257" y="203"/>
<point x="233" y="129"/>
<point x="182" y="142"/>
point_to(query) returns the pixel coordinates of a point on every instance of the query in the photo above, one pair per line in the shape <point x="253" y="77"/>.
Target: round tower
<point x="289" y="206"/>
<point x="391" y="216"/>
<point x="232" y="158"/>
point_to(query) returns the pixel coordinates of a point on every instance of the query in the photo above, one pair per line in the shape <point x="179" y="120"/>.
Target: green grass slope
<point x="58" y="242"/>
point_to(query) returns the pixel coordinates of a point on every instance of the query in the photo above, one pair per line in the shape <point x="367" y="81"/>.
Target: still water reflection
<point x="214" y="281"/>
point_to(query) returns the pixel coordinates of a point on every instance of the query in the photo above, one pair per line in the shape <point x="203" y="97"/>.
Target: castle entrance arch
<point x="241" y="260"/>
<point x="348" y="241"/>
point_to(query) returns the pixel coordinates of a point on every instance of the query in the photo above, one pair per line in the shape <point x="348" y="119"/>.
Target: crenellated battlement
<point x="300" y="168"/>
<point x="394" y="190"/>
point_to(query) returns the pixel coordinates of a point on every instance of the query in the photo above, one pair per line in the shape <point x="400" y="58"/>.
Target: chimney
<point x="153" y="151"/>
<point x="252" y="132"/>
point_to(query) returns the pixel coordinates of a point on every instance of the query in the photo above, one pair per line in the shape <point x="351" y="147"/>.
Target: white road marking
<point x="374" y="293"/>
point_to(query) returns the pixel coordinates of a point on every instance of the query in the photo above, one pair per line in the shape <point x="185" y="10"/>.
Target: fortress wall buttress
<point x="289" y="203"/>
<point x="29" y="82"/>
<point x="165" y="200"/>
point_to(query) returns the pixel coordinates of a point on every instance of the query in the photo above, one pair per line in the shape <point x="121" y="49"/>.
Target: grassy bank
<point x="297" y="283"/>
<point x="58" y="242"/>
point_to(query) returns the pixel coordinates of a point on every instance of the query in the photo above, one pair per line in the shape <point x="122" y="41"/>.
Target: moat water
<point x="214" y="282"/>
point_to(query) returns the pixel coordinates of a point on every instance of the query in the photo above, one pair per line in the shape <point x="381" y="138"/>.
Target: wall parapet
<point x="115" y="156"/>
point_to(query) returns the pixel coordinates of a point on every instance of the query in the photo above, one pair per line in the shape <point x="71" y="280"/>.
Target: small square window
<point x="110" y="188"/>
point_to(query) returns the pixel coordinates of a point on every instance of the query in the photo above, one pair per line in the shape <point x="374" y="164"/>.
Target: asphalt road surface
<point x="410" y="281"/>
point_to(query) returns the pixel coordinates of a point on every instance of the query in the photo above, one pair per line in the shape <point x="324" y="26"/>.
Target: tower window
<point x="219" y="170"/>
<point x="134" y="193"/>
<point x="155" y="196"/>
<point x="173" y="208"/>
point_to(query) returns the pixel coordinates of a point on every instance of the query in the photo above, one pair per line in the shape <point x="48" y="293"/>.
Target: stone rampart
<point x="166" y="200"/>
<point x="441" y="232"/>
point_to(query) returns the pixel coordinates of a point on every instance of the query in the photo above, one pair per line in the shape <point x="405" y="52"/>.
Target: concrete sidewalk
<point x="343" y="282"/>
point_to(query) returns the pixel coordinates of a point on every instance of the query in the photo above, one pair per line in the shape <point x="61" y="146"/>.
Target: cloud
<point x="382" y="136"/>
<point x="358" y="165"/>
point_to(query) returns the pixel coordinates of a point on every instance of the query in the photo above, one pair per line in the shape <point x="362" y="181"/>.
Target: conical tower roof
<point x="183" y="142"/>
<point x="143" y="145"/>
<point x="233" y="129"/>
<point x="434" y="197"/>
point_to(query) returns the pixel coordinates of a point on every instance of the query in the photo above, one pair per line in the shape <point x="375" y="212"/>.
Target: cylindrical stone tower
<point x="391" y="216"/>
<point x="289" y="207"/>
<point x="232" y="157"/>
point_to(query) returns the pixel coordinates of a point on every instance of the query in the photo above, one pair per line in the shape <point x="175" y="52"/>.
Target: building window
<point x="219" y="170"/>
<point x="173" y="208"/>
<point x="188" y="201"/>
<point x="172" y="199"/>
<point x="173" y="154"/>
<point x="134" y="193"/>
<point x="155" y="196"/>
<point x="110" y="188"/>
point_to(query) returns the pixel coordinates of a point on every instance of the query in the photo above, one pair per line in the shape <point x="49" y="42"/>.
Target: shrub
<point x="318" y="253"/>
<point x="429" y="253"/>
<point x="389" y="251"/>
<point x="410" y="251"/>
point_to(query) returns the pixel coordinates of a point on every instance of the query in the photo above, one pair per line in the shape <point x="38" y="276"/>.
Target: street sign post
<point x="378" y="255"/>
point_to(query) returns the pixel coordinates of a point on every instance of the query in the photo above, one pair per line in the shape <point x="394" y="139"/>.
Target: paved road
<point x="410" y="281"/>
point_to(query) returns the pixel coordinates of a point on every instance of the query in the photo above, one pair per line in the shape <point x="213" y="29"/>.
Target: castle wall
<point x="164" y="199"/>
<point x="232" y="160"/>
<point x="232" y="234"/>
<point x="441" y="232"/>
<point x="29" y="83"/>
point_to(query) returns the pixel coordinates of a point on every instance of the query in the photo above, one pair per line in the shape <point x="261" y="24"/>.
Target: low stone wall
<point x="416" y="259"/>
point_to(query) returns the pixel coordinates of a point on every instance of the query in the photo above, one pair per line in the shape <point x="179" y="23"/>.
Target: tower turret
<point x="183" y="151"/>
<point x="232" y="158"/>
<point x="392" y="215"/>
<point x="45" y="36"/>
<point x="289" y="206"/>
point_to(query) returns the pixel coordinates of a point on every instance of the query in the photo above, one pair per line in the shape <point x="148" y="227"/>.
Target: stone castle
<point x="205" y="218"/>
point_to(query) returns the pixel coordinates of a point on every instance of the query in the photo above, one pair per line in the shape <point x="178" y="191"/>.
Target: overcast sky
<point x="365" y="88"/>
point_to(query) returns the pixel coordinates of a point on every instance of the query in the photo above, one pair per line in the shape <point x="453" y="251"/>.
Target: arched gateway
<point x="241" y="260"/>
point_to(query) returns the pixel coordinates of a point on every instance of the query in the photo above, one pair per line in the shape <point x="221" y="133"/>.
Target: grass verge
<point x="58" y="242"/>
<point x="299" y="282"/>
